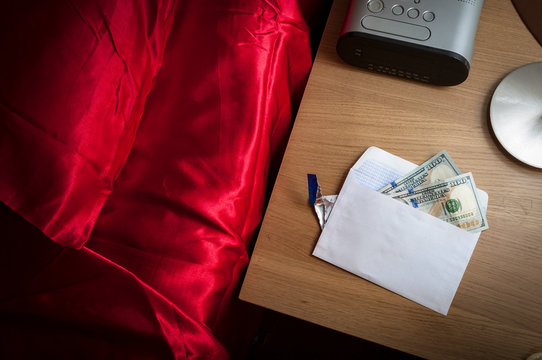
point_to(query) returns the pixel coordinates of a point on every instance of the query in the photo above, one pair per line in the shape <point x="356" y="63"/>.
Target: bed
<point x="138" y="140"/>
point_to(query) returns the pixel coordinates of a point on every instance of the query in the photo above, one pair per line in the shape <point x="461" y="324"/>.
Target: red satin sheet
<point x="140" y="134"/>
<point x="74" y="77"/>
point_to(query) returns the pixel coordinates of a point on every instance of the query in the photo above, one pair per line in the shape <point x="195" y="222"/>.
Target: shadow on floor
<point x="284" y="337"/>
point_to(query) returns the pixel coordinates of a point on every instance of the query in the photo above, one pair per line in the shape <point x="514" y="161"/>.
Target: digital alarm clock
<point x="426" y="40"/>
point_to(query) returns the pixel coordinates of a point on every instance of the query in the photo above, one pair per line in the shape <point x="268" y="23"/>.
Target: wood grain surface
<point x="497" y="310"/>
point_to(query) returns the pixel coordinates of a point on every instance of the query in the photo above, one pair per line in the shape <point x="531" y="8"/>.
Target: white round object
<point x="516" y="114"/>
<point x="537" y="356"/>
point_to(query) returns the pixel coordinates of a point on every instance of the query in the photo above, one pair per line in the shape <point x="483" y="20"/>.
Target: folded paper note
<point x="398" y="247"/>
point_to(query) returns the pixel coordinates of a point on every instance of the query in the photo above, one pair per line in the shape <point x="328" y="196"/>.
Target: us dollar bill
<point x="439" y="167"/>
<point x="453" y="200"/>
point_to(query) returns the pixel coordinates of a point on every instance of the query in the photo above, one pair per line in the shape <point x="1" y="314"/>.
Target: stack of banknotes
<point x="438" y="188"/>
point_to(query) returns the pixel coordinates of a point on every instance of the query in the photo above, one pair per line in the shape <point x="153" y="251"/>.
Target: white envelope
<point x="396" y="246"/>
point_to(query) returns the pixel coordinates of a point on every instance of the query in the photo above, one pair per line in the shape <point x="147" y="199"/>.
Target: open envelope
<point x="393" y="245"/>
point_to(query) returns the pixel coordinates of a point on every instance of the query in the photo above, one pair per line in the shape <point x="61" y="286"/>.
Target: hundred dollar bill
<point x="439" y="167"/>
<point x="453" y="200"/>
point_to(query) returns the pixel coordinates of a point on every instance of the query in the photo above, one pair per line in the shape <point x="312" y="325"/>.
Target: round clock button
<point x="397" y="10"/>
<point x="375" y="6"/>
<point x="413" y="13"/>
<point x="428" y="16"/>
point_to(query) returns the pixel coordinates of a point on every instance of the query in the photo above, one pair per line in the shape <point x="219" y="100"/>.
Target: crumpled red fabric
<point x="140" y="136"/>
<point x="74" y="78"/>
<point x="193" y="189"/>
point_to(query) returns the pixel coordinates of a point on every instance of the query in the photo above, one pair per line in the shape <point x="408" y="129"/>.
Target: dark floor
<point x="250" y="332"/>
<point x="284" y="337"/>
